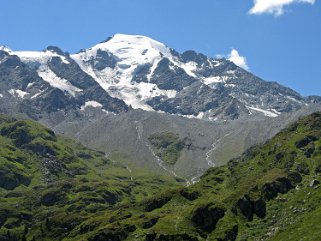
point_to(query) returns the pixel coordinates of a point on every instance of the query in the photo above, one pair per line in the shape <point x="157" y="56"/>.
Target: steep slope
<point x="271" y="192"/>
<point x="45" y="177"/>
<point x="126" y="138"/>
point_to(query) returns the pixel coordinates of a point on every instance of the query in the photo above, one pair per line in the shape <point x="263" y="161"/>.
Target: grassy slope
<point x="263" y="195"/>
<point x="47" y="179"/>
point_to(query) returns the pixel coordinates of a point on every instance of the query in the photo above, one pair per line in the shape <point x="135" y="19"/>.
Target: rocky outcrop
<point x="318" y="169"/>
<point x="150" y="223"/>
<point x="230" y="234"/>
<point x="189" y="195"/>
<point x="113" y="234"/>
<point x="206" y="217"/>
<point x="280" y="185"/>
<point x="250" y="207"/>
<point x="303" y="168"/>
<point x="52" y="197"/>
<point x="157" y="202"/>
<point x="305" y="141"/>
<point x="170" y="237"/>
<point x="9" y="180"/>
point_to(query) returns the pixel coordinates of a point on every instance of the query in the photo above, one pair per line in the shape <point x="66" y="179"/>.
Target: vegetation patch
<point x="168" y="146"/>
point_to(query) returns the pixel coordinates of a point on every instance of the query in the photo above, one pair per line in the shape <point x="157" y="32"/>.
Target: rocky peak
<point x="57" y="50"/>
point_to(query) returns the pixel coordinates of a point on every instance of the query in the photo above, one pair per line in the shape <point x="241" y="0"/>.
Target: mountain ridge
<point x="147" y="74"/>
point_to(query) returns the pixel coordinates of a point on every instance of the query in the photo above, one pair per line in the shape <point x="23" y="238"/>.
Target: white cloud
<point x="238" y="59"/>
<point x="275" y="7"/>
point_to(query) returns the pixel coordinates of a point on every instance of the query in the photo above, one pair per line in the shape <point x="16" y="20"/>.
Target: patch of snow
<point x="18" y="93"/>
<point x="293" y="99"/>
<point x="212" y="118"/>
<point x="189" y="67"/>
<point x="38" y="94"/>
<point x="1" y="96"/>
<point x="268" y="113"/>
<point x="275" y="111"/>
<point x="200" y="115"/>
<point x="49" y="76"/>
<point x="5" y="48"/>
<point x="152" y="69"/>
<point x="109" y="112"/>
<point x="231" y="72"/>
<point x="41" y="57"/>
<point x="215" y="79"/>
<point x="149" y="90"/>
<point x="215" y="63"/>
<point x="30" y="85"/>
<point x="91" y="103"/>
<point x="230" y="85"/>
<point x="64" y="60"/>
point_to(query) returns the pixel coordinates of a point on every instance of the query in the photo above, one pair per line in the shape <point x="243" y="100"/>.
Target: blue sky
<point x="280" y="43"/>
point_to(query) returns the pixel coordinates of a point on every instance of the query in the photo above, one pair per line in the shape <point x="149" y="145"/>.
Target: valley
<point x="131" y="140"/>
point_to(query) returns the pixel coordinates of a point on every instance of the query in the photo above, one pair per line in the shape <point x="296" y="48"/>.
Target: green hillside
<point x="271" y="192"/>
<point x="49" y="185"/>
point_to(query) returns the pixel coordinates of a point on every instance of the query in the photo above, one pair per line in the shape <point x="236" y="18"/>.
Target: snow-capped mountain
<point x="129" y="71"/>
<point x="114" y="63"/>
<point x="117" y="94"/>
